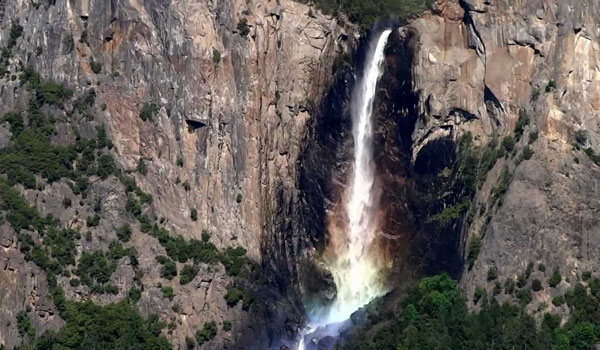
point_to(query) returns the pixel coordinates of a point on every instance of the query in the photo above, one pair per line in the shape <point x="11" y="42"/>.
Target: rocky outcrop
<point x="478" y="66"/>
<point x="231" y="86"/>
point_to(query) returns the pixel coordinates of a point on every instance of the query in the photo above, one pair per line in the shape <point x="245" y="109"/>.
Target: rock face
<point x="478" y="66"/>
<point x="233" y="85"/>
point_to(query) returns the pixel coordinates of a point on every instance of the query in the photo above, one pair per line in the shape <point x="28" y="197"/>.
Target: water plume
<point x="352" y="254"/>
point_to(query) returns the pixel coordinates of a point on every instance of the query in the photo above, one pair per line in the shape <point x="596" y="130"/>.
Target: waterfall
<point x="356" y="270"/>
<point x="354" y="264"/>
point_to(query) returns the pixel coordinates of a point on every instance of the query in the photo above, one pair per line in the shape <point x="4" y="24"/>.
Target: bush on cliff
<point x="367" y="12"/>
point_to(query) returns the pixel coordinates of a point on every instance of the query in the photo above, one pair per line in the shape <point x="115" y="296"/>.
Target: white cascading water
<point x="356" y="271"/>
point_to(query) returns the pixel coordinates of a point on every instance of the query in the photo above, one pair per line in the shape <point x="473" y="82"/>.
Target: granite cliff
<point x="231" y="116"/>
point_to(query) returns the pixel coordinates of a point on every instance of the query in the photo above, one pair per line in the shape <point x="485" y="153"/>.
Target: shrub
<point x="558" y="300"/>
<point x="216" y="57"/>
<point x="113" y="326"/>
<point x="527" y="153"/>
<point x="168" y="270"/>
<point x="180" y="161"/>
<point x="134" y="295"/>
<point x="93" y="221"/>
<point x="524" y="296"/>
<point x="522" y="122"/>
<point x="542" y="267"/>
<point x="16" y="30"/>
<point x="148" y="111"/>
<point x="479" y="292"/>
<point x="124" y="233"/>
<point x="509" y="286"/>
<point x="533" y="136"/>
<point x="508" y="143"/>
<point x="474" y="247"/>
<point x="194" y="214"/>
<point x="94" y="268"/>
<point x="586" y="275"/>
<point x="96" y="66"/>
<point x="238" y="198"/>
<point x="243" y="27"/>
<point x="168" y="293"/>
<point x="25" y="326"/>
<point x="234" y="260"/>
<point x="368" y="12"/>
<point x="141" y="167"/>
<point x="188" y="273"/>
<point x="581" y="137"/>
<point x="551" y="85"/>
<point x="536" y="285"/>
<point x="106" y="166"/>
<point x="186" y="185"/>
<point x="208" y="332"/>
<point x="492" y="273"/>
<point x="555" y="279"/>
<point x="227" y="326"/>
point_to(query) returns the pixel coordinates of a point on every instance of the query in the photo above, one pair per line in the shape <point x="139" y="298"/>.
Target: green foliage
<point x="188" y="273"/>
<point x="536" y="285"/>
<point x="106" y="166"/>
<point x="524" y="296"/>
<point x="558" y="300"/>
<point x="142" y="168"/>
<point x="551" y="85"/>
<point x="168" y="293"/>
<point x="96" y="66"/>
<point x="194" y="214"/>
<point x="555" y="279"/>
<point x="168" y="270"/>
<point x="474" y="247"/>
<point x="492" y="273"/>
<point x="434" y="316"/>
<point x="16" y="30"/>
<point x="18" y="212"/>
<point x="216" y="57"/>
<point x="93" y="221"/>
<point x="236" y="294"/>
<point x="62" y="245"/>
<point x="94" y="268"/>
<point x="581" y="137"/>
<point x="450" y="214"/>
<point x="186" y="186"/>
<point x="234" y="259"/>
<point x="179" y="161"/>
<point x="527" y="153"/>
<point x="592" y="155"/>
<point x="503" y="183"/>
<point x="522" y="122"/>
<point x="24" y="325"/>
<point x="208" y="332"/>
<point x="134" y="295"/>
<point x="243" y="28"/>
<point x="148" y="111"/>
<point x="238" y="198"/>
<point x="367" y="12"/>
<point x="124" y="233"/>
<point x="586" y="275"/>
<point x="508" y="143"/>
<point x="114" y="326"/>
<point x="533" y="136"/>
<point x="227" y="326"/>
